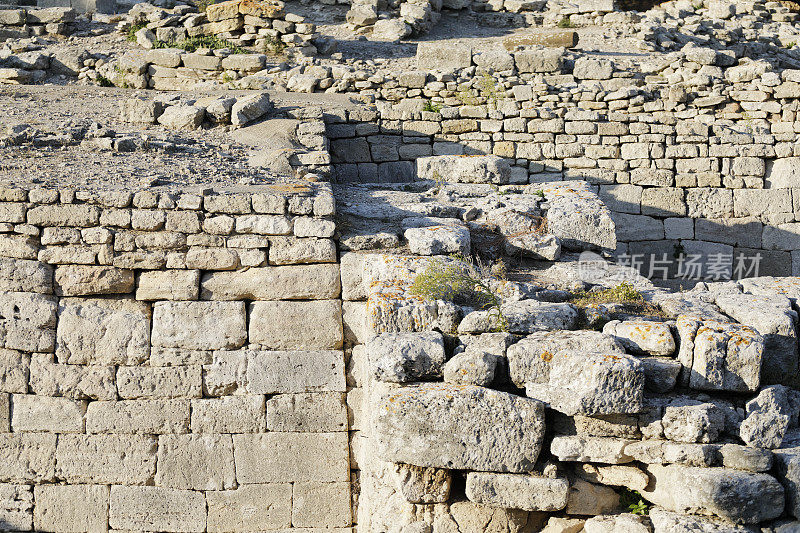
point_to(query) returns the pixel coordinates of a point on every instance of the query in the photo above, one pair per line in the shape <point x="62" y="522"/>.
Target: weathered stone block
<point x="292" y="251"/>
<point x="106" y="459"/>
<point x="642" y="337"/>
<point x="291" y="457"/>
<point x="423" y="425"/>
<point x="406" y="357"/>
<point x="290" y="325"/>
<point x="229" y="414"/>
<point x="295" y="371"/>
<point x="27" y="322"/>
<point x="157" y="509"/>
<point x="296" y="282"/>
<point x="159" y="382"/>
<point x="27" y="457"/>
<point x="199" y="462"/>
<point x="419" y="484"/>
<point x="74" y="215"/>
<point x="25" y="276"/>
<point x="80" y="280"/>
<point x="72" y="381"/>
<point x="71" y="507"/>
<point x="321" y="505"/>
<point x="308" y="412"/>
<point x="168" y="285"/>
<point x="591" y="449"/>
<point x="16" y="506"/>
<point x="147" y="417"/>
<point x="13" y="371"/>
<point x="433" y="57"/>
<point x="261" y="507"/>
<point x="542" y="60"/>
<point x="459" y="169"/>
<point x="199" y="325"/>
<point x="41" y="413"/>
<point x="95" y="331"/>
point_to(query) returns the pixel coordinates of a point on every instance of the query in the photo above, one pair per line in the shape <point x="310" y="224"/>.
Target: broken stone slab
<point x="442" y="239"/>
<point x="690" y="421"/>
<point x="464" y="169"/>
<point x="530" y="359"/>
<point x="588" y="499"/>
<point x="182" y="117"/>
<point x="550" y="39"/>
<point x="621" y="523"/>
<point x="577" y="216"/>
<point x="769" y="416"/>
<point x="666" y="452"/>
<point x="250" y="108"/>
<point x="740" y="497"/>
<point x="472" y="367"/>
<point x="406" y="357"/>
<point x="623" y="426"/>
<point x="591" y="449"/>
<point x="420" y="484"/>
<point x="592" y="383"/>
<point x="517" y="491"/>
<point x="616" y="475"/>
<point x="788" y="473"/>
<point x="661" y="373"/>
<point x="719" y="355"/>
<point x="642" y="337"/>
<point x="775" y="320"/>
<point x="84" y="280"/>
<point x="669" y="522"/>
<point x="424" y="425"/>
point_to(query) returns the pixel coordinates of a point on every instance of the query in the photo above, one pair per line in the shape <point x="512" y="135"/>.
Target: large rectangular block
<point x="309" y="412"/>
<point x="25" y="276"/>
<point x="106" y="332"/>
<point x="70" y="508"/>
<point x="296" y="282"/>
<point x="86" y="280"/>
<point x="431" y="56"/>
<point x="250" y="508"/>
<point x="27" y="457"/>
<point x="293" y="251"/>
<point x="16" y="507"/>
<point x="72" y="381"/>
<point x="321" y="505"/>
<point x="199" y="462"/>
<point x="138" y="416"/>
<point x="27" y="322"/>
<point x="79" y="215"/>
<point x="291" y="457"/>
<point x="276" y="372"/>
<point x="315" y="325"/>
<point x="168" y="285"/>
<point x="159" y="382"/>
<point x="229" y="414"/>
<point x="42" y="413"/>
<point x="157" y="509"/>
<point x="199" y="325"/>
<point x="106" y="459"/>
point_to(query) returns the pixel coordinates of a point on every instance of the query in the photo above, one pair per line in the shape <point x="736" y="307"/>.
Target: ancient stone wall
<point x="172" y="361"/>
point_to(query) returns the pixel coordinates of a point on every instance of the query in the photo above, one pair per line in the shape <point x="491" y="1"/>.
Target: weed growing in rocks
<point x="131" y="36"/>
<point x="565" y="22"/>
<point x="432" y="107"/>
<point x="461" y="280"/>
<point x="634" y="503"/>
<point x="192" y="44"/>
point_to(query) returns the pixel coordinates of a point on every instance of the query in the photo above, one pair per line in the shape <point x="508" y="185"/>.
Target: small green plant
<point x="206" y="41"/>
<point x="634" y="503"/>
<point x="202" y="5"/>
<point x="622" y="293"/>
<point x="226" y="78"/>
<point x="790" y="45"/>
<point x="131" y="36"/>
<point x="274" y="46"/>
<point x="565" y="22"/>
<point x="539" y="193"/>
<point x="489" y="88"/>
<point x="432" y="107"/>
<point x="466" y="96"/>
<point x="102" y="81"/>
<point x="461" y="280"/>
<point x="697" y="6"/>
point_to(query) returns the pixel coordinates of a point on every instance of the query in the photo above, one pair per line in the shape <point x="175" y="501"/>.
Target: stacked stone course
<point x="172" y="361"/>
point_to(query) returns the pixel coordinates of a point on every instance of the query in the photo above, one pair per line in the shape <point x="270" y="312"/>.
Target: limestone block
<point x="70" y="215"/>
<point x="13" y="371"/>
<point x="25" y="276"/>
<point x="693" y="421"/>
<point x="638" y="227"/>
<point x="41" y="413"/>
<point x="472" y="367"/>
<point x="578" y="217"/>
<point x="783" y="173"/>
<point x="630" y="523"/>
<point x="291" y="251"/>
<point x="588" y="499"/>
<point x="27" y="322"/>
<point x="419" y="484"/>
<point x="423" y="425"/>
<point x="149" y="417"/>
<point x="16" y="506"/>
<point x="28" y="457"/>
<point x="439" y="240"/>
<point x="459" y="169"/>
<point x="261" y="507"/>
<point x="788" y="473"/>
<point x="530" y="360"/>
<point x="182" y="117"/>
<point x="157" y="509"/>
<point x="71" y="508"/>
<point x="84" y="280"/>
<point x="226" y="373"/>
<point x="722" y="356"/>
<point x="660" y="373"/>
<point x="642" y="337"/>
<point x="199" y="325"/>
<point x="664" y="520"/>
<point x="229" y="414"/>
<point x="769" y="416"/>
<point x="106" y="459"/>
<point x="591" y="449"/>
<point x="314" y="325"/>
<point x="264" y="224"/>
<point x="19" y="247"/>
<point x="321" y="505"/>
<point x="517" y="491"/>
<point x="737" y="496"/>
<point x="549" y="60"/>
<point x="199" y="462"/>
<point x="747" y="458"/>
<point x="308" y="412"/>
<point x="223" y="10"/>
<point x="159" y="382"/>
<point x="406" y="357"/>
<point x="251" y="107"/>
<point x="291" y="457"/>
<point x="168" y="285"/>
<point x="294" y="282"/>
<point x="271" y="372"/>
<point x="593" y="69"/>
<point x="433" y="57"/>
<point x="615" y="475"/>
<point x="593" y="383"/>
<point x="98" y="331"/>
